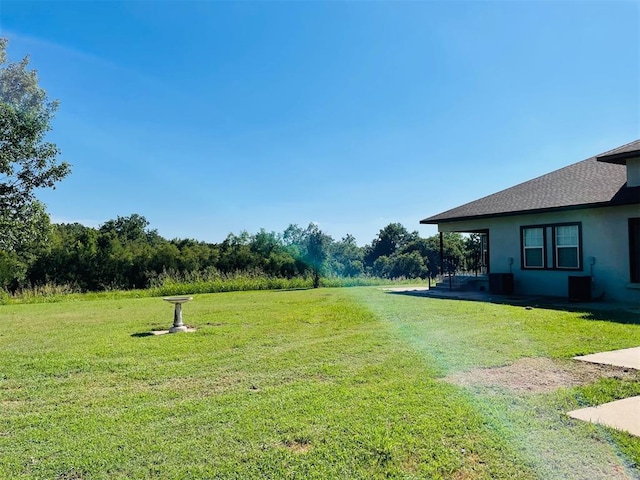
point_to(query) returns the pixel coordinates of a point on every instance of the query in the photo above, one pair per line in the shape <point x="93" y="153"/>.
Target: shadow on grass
<point x="605" y="312"/>
<point x="142" y="334"/>
<point x="617" y="316"/>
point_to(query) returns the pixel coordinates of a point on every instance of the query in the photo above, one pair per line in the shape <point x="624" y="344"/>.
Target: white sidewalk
<point x="628" y="357"/>
<point x="622" y="414"/>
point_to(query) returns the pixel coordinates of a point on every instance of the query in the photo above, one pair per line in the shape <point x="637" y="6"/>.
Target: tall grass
<point x="216" y="282"/>
<point x="173" y="283"/>
<point x="39" y="293"/>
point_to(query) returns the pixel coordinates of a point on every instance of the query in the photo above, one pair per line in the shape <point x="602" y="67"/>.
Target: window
<point x="555" y="246"/>
<point x="566" y="246"/>
<point x="533" y="247"/>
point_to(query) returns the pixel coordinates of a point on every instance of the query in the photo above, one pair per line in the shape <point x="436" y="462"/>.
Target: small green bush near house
<point x="327" y="383"/>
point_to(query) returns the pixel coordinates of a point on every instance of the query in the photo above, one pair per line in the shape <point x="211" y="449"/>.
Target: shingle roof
<point x="621" y="154"/>
<point x="588" y="183"/>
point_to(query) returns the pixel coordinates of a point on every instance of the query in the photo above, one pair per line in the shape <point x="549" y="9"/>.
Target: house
<point x="573" y="232"/>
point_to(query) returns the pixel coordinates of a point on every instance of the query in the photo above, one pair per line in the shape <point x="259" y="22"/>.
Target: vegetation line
<point x="167" y="284"/>
<point x="124" y="254"/>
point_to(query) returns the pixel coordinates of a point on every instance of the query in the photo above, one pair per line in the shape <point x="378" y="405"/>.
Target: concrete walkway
<point x="628" y="357"/>
<point x="621" y="414"/>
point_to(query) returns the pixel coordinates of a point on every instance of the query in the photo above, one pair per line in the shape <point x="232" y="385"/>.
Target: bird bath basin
<point x="178" y="326"/>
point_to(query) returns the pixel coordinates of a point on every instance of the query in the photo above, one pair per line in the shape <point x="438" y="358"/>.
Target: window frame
<point x="523" y="247"/>
<point x="551" y="264"/>
<point x="578" y="246"/>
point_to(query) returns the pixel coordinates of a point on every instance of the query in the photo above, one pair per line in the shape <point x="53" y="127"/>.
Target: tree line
<point x="125" y="254"/>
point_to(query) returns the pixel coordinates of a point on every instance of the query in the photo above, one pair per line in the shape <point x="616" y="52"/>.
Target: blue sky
<point x="216" y="117"/>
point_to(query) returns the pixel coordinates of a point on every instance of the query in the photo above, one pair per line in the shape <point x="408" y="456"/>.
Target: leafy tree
<point x="382" y="267"/>
<point x="195" y="256"/>
<point x="24" y="242"/>
<point x="265" y="243"/>
<point x="454" y="251"/>
<point x="271" y="256"/>
<point x="472" y="252"/>
<point x="293" y="236"/>
<point x="164" y="257"/>
<point x="128" y="251"/>
<point x="236" y="254"/>
<point x="27" y="161"/>
<point x="417" y="258"/>
<point x="400" y="265"/>
<point x="389" y="240"/>
<point x="316" y="251"/>
<point x="70" y="259"/>
<point x="127" y="229"/>
<point x="293" y="239"/>
<point x="347" y="258"/>
<point x="12" y="270"/>
<point x="310" y="248"/>
<point x="409" y="265"/>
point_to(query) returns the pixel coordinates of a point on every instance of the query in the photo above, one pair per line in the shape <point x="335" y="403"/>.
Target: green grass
<point x="328" y="383"/>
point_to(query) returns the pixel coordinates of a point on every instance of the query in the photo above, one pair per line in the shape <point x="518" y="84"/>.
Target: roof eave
<point x="434" y="221"/>
<point x="619" y="158"/>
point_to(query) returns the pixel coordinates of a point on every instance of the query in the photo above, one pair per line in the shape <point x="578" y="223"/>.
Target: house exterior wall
<point x="633" y="172"/>
<point x="605" y="237"/>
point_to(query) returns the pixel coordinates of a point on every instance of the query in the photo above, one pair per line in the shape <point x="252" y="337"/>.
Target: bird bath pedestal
<point x="178" y="326"/>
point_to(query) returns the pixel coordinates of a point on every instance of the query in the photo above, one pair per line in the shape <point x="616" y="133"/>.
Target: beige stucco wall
<point x="604" y="236"/>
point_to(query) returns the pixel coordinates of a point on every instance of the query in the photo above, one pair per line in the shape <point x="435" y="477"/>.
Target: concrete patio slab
<point x="621" y="415"/>
<point x="627" y="357"/>
<point x="406" y="288"/>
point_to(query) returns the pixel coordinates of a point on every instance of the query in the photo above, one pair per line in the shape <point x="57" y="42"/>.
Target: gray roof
<point x="621" y="154"/>
<point x="589" y="183"/>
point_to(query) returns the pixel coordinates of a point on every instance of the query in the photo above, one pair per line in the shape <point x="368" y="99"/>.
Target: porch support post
<point x="441" y="255"/>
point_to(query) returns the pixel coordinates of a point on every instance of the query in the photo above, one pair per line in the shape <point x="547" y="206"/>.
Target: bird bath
<point x="178" y="326"/>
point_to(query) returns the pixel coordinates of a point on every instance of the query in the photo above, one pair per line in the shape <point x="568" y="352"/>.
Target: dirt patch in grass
<point x="297" y="446"/>
<point x="540" y="375"/>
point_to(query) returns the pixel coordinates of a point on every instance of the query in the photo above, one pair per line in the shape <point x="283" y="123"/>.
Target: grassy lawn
<point x="328" y="383"/>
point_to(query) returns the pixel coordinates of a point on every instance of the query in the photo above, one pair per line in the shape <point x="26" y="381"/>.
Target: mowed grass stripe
<point x="456" y="336"/>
